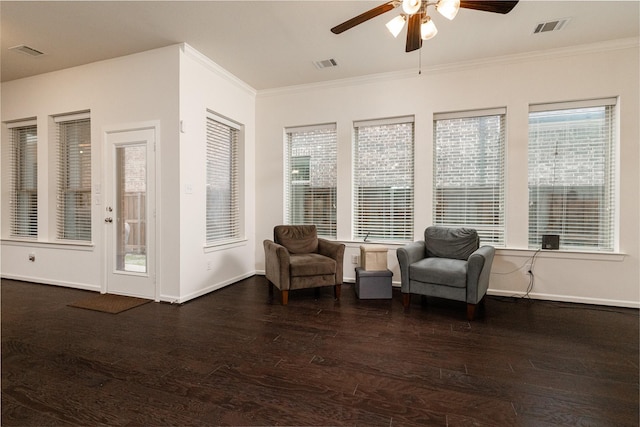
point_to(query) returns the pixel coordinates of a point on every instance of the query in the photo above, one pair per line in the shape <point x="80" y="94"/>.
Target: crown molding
<point x="606" y="46"/>
<point x="562" y="52"/>
<point x="337" y="83"/>
<point x="203" y="60"/>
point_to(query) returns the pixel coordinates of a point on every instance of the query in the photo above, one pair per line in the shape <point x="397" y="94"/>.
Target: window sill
<point x="521" y="253"/>
<point x="562" y="254"/>
<point x="357" y="244"/>
<point x="224" y="246"/>
<point x="75" y="246"/>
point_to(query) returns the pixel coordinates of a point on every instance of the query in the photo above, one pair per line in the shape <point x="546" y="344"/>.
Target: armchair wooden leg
<point x="337" y="290"/>
<point x="406" y="300"/>
<point x="471" y="311"/>
<point x="285" y="297"/>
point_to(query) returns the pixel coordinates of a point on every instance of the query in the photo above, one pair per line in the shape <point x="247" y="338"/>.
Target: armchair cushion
<point x="298" y="239"/>
<point x="440" y="271"/>
<point x="456" y="243"/>
<point x="312" y="265"/>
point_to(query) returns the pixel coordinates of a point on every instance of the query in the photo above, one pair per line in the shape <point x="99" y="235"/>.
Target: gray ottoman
<point x="373" y="284"/>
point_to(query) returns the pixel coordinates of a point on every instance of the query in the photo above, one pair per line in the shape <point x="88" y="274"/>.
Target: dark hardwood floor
<point x="234" y="358"/>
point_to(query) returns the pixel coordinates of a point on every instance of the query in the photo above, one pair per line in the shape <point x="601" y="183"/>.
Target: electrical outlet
<point x="208" y="265"/>
<point x="32" y="257"/>
<point x="528" y="268"/>
<point x="354" y="259"/>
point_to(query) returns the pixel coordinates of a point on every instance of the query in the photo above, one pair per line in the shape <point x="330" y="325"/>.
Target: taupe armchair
<point x="449" y="263"/>
<point x="298" y="259"/>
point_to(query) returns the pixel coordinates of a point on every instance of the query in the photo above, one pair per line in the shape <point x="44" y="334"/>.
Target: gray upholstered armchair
<point x="298" y="259"/>
<point x="449" y="263"/>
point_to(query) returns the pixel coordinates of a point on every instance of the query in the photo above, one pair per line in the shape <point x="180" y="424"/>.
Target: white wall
<point x="132" y="89"/>
<point x="171" y="86"/>
<point x="205" y="86"/>
<point x="603" y="70"/>
<point x="176" y="84"/>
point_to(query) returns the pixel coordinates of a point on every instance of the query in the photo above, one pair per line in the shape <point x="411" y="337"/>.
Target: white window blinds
<point x="24" y="179"/>
<point x="469" y="172"/>
<point x="383" y="179"/>
<point x="74" y="177"/>
<point x="222" y="205"/>
<point x="572" y="174"/>
<point x="311" y="177"/>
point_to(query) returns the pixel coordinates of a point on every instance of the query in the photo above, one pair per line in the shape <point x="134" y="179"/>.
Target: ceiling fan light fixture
<point x="396" y="25"/>
<point x="428" y="29"/>
<point x="411" y="7"/>
<point x="415" y="14"/>
<point x="448" y="8"/>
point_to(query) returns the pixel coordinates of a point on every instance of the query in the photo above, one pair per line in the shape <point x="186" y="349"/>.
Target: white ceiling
<point x="271" y="44"/>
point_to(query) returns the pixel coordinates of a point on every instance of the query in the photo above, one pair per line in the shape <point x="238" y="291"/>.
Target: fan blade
<point x="414" y="41"/>
<point x="364" y="17"/>
<point x="489" y="6"/>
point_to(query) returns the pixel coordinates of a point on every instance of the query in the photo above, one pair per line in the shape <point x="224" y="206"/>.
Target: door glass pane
<point x="131" y="212"/>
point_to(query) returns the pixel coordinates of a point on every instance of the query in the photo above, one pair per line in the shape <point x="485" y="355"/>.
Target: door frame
<point x="107" y="177"/>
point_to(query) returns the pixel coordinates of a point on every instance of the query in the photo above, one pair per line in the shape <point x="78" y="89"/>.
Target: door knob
<point x="108" y="220"/>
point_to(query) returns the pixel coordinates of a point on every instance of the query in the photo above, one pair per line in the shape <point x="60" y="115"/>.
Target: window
<point x="311" y="177"/>
<point x="24" y="179"/>
<point x="74" y="177"/>
<point x="469" y="172"/>
<point x="383" y="179"/>
<point x="571" y="174"/>
<point x="223" y="187"/>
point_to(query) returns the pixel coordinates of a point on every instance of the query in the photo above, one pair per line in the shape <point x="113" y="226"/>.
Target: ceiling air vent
<point x="555" y="25"/>
<point x="327" y="63"/>
<point x="27" y="50"/>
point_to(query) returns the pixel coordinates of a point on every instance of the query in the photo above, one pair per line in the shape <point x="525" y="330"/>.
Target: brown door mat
<point x="110" y="303"/>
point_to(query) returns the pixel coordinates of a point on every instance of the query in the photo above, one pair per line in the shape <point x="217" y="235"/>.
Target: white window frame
<point x="223" y="222"/>
<point x="383" y="181"/>
<point x="312" y="199"/>
<point x="469" y="173"/>
<point x="579" y="191"/>
<point x="74" y="183"/>
<point x="23" y="179"/>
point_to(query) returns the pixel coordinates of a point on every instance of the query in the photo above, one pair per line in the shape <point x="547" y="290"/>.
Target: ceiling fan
<point x="420" y="26"/>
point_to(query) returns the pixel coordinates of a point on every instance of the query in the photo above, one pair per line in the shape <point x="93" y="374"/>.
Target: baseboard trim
<point x="61" y="283"/>
<point x="344" y="279"/>
<point x="173" y="299"/>
<point x="206" y="290"/>
<point x="566" y="298"/>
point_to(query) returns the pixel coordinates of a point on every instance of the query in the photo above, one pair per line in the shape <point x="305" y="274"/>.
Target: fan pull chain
<point x="419" y="62"/>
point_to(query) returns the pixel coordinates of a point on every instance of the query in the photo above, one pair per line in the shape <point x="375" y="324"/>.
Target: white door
<point x="129" y="216"/>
